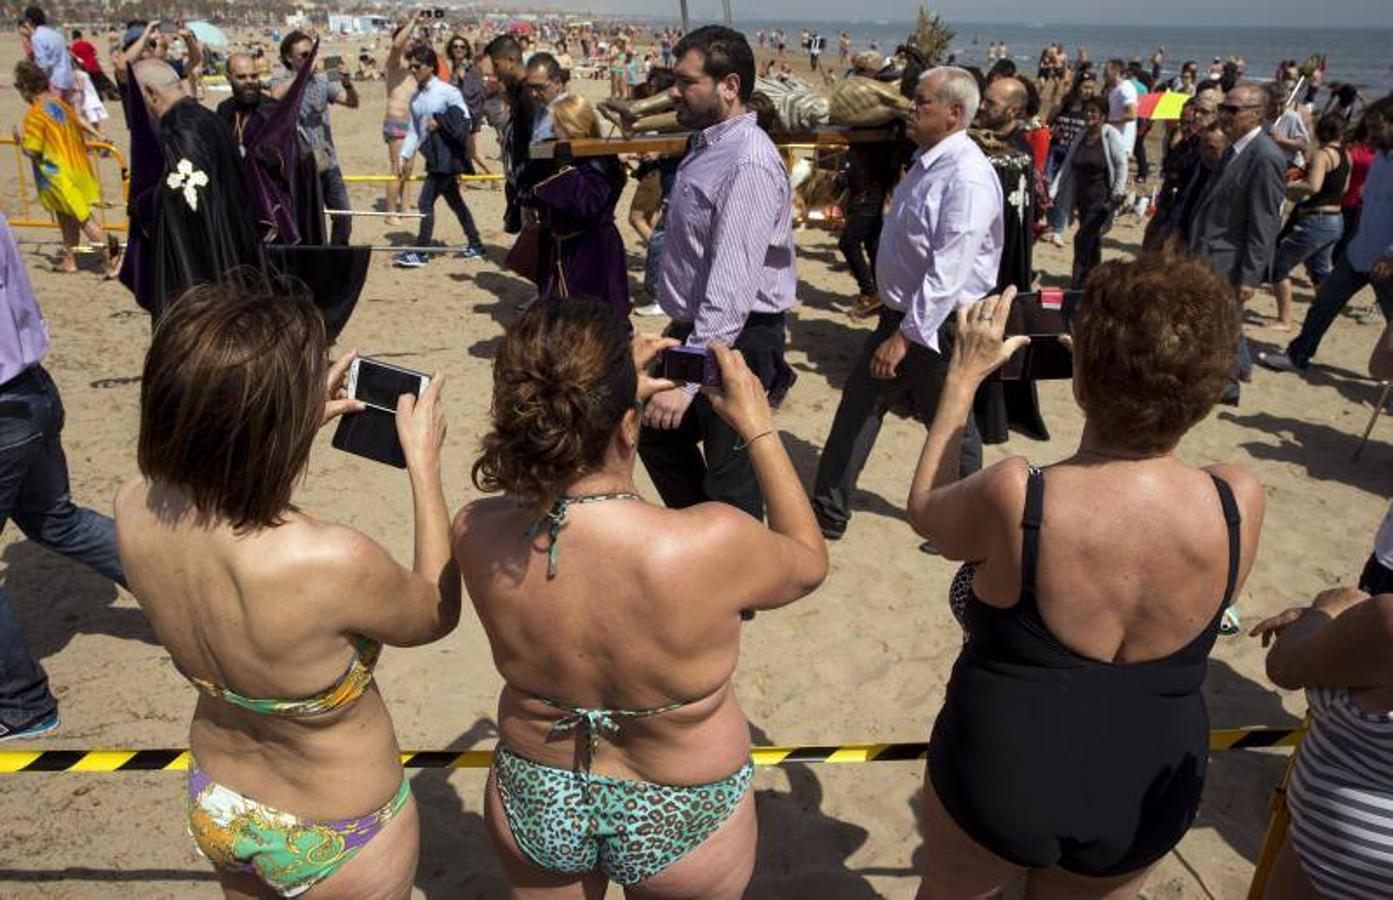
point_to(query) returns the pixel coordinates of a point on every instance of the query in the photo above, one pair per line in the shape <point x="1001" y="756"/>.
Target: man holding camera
<point x="727" y="271"/>
<point x="320" y="92"/>
<point x="940" y="248"/>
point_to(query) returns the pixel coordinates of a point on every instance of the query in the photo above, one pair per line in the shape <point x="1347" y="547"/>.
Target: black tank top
<point x="1046" y="757"/>
<point x="1332" y="190"/>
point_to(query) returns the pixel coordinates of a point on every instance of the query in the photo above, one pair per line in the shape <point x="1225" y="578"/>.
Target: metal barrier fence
<point x="28" y="191"/>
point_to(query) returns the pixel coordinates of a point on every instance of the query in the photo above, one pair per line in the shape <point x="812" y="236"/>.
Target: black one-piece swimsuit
<point x="1046" y="757"/>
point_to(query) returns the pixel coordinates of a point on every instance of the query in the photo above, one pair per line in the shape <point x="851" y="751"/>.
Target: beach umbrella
<point x="1161" y="105"/>
<point x="208" y="33"/>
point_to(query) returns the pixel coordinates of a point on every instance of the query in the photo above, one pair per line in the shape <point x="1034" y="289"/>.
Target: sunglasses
<point x="1234" y="109"/>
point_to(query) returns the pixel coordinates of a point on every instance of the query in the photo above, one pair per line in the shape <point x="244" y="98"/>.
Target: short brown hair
<point x="1155" y="339"/>
<point x="29" y="78"/>
<point x="562" y="382"/>
<point x="231" y="398"/>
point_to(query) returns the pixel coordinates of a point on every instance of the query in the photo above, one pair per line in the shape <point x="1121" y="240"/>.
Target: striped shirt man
<point x="729" y="245"/>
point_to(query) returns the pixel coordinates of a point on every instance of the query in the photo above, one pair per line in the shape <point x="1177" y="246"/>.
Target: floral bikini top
<point x="350" y="686"/>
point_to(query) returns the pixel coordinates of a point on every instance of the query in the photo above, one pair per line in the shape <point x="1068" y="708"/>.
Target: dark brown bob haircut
<point x="1155" y="340"/>
<point x="29" y="78"/>
<point x="231" y="398"/>
<point x="562" y="382"/>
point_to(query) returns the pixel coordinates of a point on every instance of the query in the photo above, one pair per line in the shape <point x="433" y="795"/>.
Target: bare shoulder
<point x="331" y="553"/>
<point x="1247" y="490"/>
<point x="701" y="535"/>
<point x="130" y="492"/>
<point x="1002" y="484"/>
<point x="479" y="516"/>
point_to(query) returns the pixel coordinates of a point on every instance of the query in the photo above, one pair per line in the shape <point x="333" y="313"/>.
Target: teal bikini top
<point x="556" y="517"/>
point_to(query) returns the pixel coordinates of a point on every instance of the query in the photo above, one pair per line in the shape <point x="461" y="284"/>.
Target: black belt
<point x="758" y="320"/>
<point x="30" y="377"/>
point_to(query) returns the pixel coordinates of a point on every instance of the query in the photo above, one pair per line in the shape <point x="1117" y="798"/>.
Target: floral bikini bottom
<point x="289" y="854"/>
<point x="573" y="822"/>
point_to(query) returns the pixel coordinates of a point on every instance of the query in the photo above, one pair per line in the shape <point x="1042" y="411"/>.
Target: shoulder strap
<point x="1030" y="534"/>
<point x="1232" y="520"/>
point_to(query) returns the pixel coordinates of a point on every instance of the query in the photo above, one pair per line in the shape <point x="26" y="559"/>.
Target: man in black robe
<point x="190" y="222"/>
<point x="278" y="163"/>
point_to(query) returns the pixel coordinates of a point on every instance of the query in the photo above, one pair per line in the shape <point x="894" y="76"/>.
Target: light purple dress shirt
<point x="51" y="55"/>
<point x="940" y="247"/>
<point x="729" y="245"/>
<point x="23" y="331"/>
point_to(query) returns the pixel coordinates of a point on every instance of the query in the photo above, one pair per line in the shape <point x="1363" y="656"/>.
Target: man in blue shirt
<point x="1368" y="259"/>
<point x="440" y="130"/>
<point x="50" y="51"/>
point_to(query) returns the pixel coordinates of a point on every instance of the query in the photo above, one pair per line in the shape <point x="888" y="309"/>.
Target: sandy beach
<point x="863" y="659"/>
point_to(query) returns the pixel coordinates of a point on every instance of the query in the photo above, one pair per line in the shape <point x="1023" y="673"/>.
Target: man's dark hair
<point x="424" y="55"/>
<point x="77" y="34"/>
<point x="1002" y="68"/>
<point x="505" y="46"/>
<point x="724" y="52"/>
<point x="544" y="60"/>
<point x="290" y="40"/>
<point x="1117" y="63"/>
<point x="34" y="16"/>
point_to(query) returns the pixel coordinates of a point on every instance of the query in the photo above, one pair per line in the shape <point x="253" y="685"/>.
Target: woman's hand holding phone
<point x="336" y="399"/>
<point x="740" y="400"/>
<point x="421" y="428"/>
<point x="646" y="348"/>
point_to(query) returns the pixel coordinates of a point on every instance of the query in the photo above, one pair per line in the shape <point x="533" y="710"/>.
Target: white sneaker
<point x="652" y="310"/>
<point x="1056" y="238"/>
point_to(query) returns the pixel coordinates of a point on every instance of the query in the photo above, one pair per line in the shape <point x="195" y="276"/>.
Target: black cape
<point x="191" y="216"/>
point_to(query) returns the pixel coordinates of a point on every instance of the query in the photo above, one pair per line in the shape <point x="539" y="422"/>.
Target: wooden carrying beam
<point x="673" y="144"/>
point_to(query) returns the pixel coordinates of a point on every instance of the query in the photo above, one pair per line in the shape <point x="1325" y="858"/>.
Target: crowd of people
<point x="615" y="622"/>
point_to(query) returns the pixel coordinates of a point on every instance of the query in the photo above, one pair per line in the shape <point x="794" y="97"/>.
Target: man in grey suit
<point x="1240" y="214"/>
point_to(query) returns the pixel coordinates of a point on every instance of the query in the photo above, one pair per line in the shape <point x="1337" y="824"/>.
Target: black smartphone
<point x="372" y="433"/>
<point x="333" y="63"/>
<point x="1045" y="358"/>
<point x="691" y="365"/>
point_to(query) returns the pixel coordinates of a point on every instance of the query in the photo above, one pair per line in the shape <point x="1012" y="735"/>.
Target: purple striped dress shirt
<point x="23" y="331"/>
<point x="729" y="245"/>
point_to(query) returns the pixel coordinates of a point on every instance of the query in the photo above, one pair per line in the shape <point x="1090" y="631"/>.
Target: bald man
<point x="190" y="219"/>
<point x="1004" y="406"/>
<point x="278" y="162"/>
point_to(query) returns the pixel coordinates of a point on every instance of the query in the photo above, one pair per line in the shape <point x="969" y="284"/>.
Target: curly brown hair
<point x="562" y="382"/>
<point x="1155" y="340"/>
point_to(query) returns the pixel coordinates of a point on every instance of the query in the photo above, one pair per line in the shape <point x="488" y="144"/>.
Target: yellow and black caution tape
<point x="12" y="761"/>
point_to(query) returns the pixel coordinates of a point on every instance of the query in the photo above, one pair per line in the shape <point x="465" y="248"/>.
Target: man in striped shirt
<point x="727" y="268"/>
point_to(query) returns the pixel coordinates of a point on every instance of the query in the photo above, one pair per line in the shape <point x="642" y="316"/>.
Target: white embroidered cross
<point x="188" y="179"/>
<point x="1019" y="197"/>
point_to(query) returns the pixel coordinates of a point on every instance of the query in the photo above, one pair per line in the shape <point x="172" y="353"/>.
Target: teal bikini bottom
<point x="575" y="822"/>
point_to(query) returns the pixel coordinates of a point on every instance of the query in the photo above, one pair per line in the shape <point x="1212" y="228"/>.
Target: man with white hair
<point x="939" y="249"/>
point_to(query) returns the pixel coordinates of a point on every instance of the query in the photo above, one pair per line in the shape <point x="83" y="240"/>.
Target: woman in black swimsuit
<point x="1070" y="751"/>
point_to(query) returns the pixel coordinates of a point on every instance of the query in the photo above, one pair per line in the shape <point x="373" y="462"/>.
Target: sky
<point x="1271" y="13"/>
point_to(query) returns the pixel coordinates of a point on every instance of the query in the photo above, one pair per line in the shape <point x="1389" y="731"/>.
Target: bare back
<point x="252" y="613"/>
<point x="629" y="622"/>
<point x="1133" y="558"/>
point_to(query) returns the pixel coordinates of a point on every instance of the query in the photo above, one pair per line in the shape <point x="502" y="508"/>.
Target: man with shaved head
<point x="278" y="162"/>
<point x="190" y="222"/>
